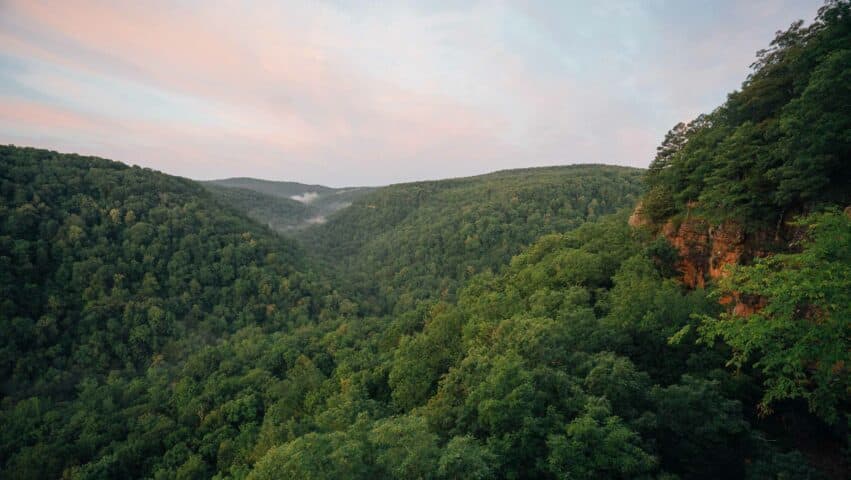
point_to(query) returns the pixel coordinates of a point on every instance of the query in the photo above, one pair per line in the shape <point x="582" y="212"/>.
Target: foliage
<point x="556" y="365"/>
<point x="799" y="339"/>
<point x="420" y="241"/>
<point x="105" y="265"/>
<point x="109" y="272"/>
<point x="597" y="444"/>
<point x="780" y="144"/>
<point x="501" y="326"/>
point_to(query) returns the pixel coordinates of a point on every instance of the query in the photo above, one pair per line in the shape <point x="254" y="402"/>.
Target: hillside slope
<point x="618" y="352"/>
<point x="108" y="271"/>
<point x="778" y="147"/>
<point x="419" y="240"/>
<point x="754" y="197"/>
<point x="151" y="331"/>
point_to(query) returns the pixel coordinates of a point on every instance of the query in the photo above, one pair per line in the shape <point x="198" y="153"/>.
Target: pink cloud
<point x="267" y="86"/>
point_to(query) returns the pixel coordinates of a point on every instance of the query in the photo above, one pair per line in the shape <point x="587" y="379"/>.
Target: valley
<point x="285" y="207"/>
<point x="690" y="320"/>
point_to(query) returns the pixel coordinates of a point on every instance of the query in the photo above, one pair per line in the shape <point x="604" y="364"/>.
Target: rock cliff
<point x="706" y="250"/>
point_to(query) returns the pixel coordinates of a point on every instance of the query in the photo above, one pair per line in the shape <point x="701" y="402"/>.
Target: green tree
<point x="464" y="457"/>
<point x="405" y="447"/>
<point x="799" y="338"/>
<point x="315" y="456"/>
<point x="597" y="445"/>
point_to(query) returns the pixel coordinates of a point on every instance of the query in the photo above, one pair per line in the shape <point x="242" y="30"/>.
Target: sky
<point x="348" y="93"/>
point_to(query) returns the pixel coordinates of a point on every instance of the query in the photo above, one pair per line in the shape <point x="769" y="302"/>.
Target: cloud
<point x="348" y="94"/>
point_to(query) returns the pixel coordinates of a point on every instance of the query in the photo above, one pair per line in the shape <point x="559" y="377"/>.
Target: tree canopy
<point x="511" y="325"/>
<point x="778" y="146"/>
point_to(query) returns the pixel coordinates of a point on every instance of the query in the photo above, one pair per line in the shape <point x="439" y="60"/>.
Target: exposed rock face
<point x="692" y="240"/>
<point x="706" y="251"/>
<point x="728" y="248"/>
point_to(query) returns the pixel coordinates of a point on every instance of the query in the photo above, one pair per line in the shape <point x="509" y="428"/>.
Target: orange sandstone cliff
<point x="706" y="250"/>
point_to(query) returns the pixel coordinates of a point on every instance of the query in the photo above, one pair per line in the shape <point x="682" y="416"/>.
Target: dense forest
<point x="511" y="325"/>
<point x="777" y="147"/>
<point x="419" y="241"/>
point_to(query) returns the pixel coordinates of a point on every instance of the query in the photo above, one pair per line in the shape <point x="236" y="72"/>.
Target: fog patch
<point x="316" y="220"/>
<point x="306" y="197"/>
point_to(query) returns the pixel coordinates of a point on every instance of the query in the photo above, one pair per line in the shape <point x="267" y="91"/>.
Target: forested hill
<point x="276" y="188"/>
<point x="779" y="146"/>
<point x="149" y="332"/>
<point x="104" y="265"/>
<point x="284" y="206"/>
<point x="148" y="329"/>
<point x="110" y="273"/>
<point x="415" y="241"/>
<point x="756" y="198"/>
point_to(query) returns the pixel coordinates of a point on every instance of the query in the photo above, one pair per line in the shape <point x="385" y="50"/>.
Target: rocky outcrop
<point x="691" y="239"/>
<point x="706" y="250"/>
